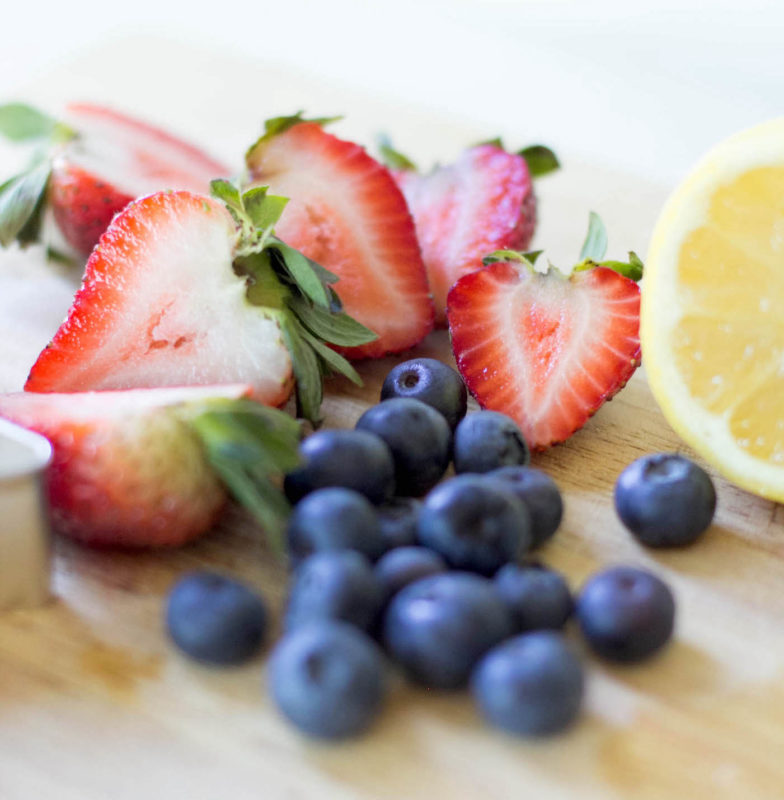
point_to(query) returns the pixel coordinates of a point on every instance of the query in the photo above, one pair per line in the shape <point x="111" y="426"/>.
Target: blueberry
<point x="626" y="614"/>
<point x="328" y="680"/>
<point x="539" y="493"/>
<point x="487" y="440"/>
<point x="334" y="519"/>
<point x="418" y="436"/>
<point x="665" y="499"/>
<point x="474" y="524"/>
<point x="215" y="619"/>
<point x="404" y="565"/>
<point x="339" y="585"/>
<point x="531" y="685"/>
<point x="433" y="383"/>
<point x="353" y="459"/>
<point x="398" y="520"/>
<point x="439" y="627"/>
<point x="537" y="597"/>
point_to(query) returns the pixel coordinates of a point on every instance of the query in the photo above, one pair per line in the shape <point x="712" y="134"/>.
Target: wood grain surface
<point x="95" y="704"/>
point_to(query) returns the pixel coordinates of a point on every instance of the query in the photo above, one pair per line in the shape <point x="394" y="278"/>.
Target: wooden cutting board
<point x="95" y="704"/>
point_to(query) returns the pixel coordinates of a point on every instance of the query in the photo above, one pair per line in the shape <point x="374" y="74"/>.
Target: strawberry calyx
<point x="391" y="157"/>
<point x="295" y="290"/>
<point x="591" y="255"/>
<point x="277" y="125"/>
<point x="595" y="247"/>
<point x="22" y="196"/>
<point x="540" y="159"/>
<point x="251" y="447"/>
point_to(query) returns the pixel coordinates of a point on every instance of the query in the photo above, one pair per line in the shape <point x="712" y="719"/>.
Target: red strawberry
<point x="134" y="468"/>
<point x="183" y="289"/>
<point x="545" y="349"/>
<point x="101" y="160"/>
<point x="482" y="202"/>
<point x="347" y="213"/>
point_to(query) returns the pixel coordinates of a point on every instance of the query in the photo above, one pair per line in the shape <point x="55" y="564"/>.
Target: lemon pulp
<point x="712" y="322"/>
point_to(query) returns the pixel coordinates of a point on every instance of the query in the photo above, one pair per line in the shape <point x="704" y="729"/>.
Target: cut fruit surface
<point x="346" y="212"/>
<point x="161" y="305"/>
<point x="712" y="333"/>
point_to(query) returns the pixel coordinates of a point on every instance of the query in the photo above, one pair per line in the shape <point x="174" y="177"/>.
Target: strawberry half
<point x="146" y="468"/>
<point x="185" y="289"/>
<point x="482" y="202"/>
<point x="98" y="160"/>
<point x="544" y="348"/>
<point x="347" y="213"/>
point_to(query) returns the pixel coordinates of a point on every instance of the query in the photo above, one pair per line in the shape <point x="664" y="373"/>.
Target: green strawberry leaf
<point x="497" y="141"/>
<point x="528" y="258"/>
<point x="277" y="125"/>
<point x="334" y="327"/>
<point x="307" y="370"/>
<point x="226" y="191"/>
<point x="631" y="269"/>
<point x="331" y="359"/>
<point x="295" y="291"/>
<point x="20" y="203"/>
<point x="20" y="122"/>
<point x="541" y="160"/>
<point x="394" y="159"/>
<point x="58" y="257"/>
<point x="250" y="447"/>
<point x="302" y="273"/>
<point x="595" y="244"/>
<point x="263" y="209"/>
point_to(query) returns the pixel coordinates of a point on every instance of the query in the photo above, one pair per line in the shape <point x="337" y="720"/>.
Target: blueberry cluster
<point x="391" y="562"/>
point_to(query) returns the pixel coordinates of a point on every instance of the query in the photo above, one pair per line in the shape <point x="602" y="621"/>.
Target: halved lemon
<point x="712" y="318"/>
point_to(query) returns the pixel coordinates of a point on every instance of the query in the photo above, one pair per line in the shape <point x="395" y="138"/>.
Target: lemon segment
<point x="712" y="317"/>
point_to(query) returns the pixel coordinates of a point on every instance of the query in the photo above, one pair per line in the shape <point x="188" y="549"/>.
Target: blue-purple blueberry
<point x="488" y="440"/>
<point x="537" y="597"/>
<point x="431" y="382"/>
<point x="475" y="524"/>
<point x="420" y="440"/>
<point x="352" y="459"/>
<point x="404" y="565"/>
<point x="540" y="494"/>
<point x="665" y="500"/>
<point x="626" y="614"/>
<point x="334" y="519"/>
<point x="439" y="627"/>
<point x="335" y="585"/>
<point x="215" y="619"/>
<point x="328" y="680"/>
<point x="531" y="685"/>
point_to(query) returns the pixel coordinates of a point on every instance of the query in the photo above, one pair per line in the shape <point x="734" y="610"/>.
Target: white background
<point x="644" y="86"/>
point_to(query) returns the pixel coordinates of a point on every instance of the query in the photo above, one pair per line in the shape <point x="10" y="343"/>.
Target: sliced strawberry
<point x="160" y="305"/>
<point x="83" y="205"/>
<point x="482" y="202"/>
<point x="101" y="160"/>
<point x="127" y="467"/>
<point x="545" y="349"/>
<point x="347" y="213"/>
<point x="184" y="290"/>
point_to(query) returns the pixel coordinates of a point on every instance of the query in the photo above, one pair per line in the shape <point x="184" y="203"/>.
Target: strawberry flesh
<point x="127" y="470"/>
<point x="481" y="203"/>
<point x="161" y="305"/>
<point x="346" y="213"/>
<point x="113" y="159"/>
<point x="83" y="205"/>
<point x="545" y="349"/>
